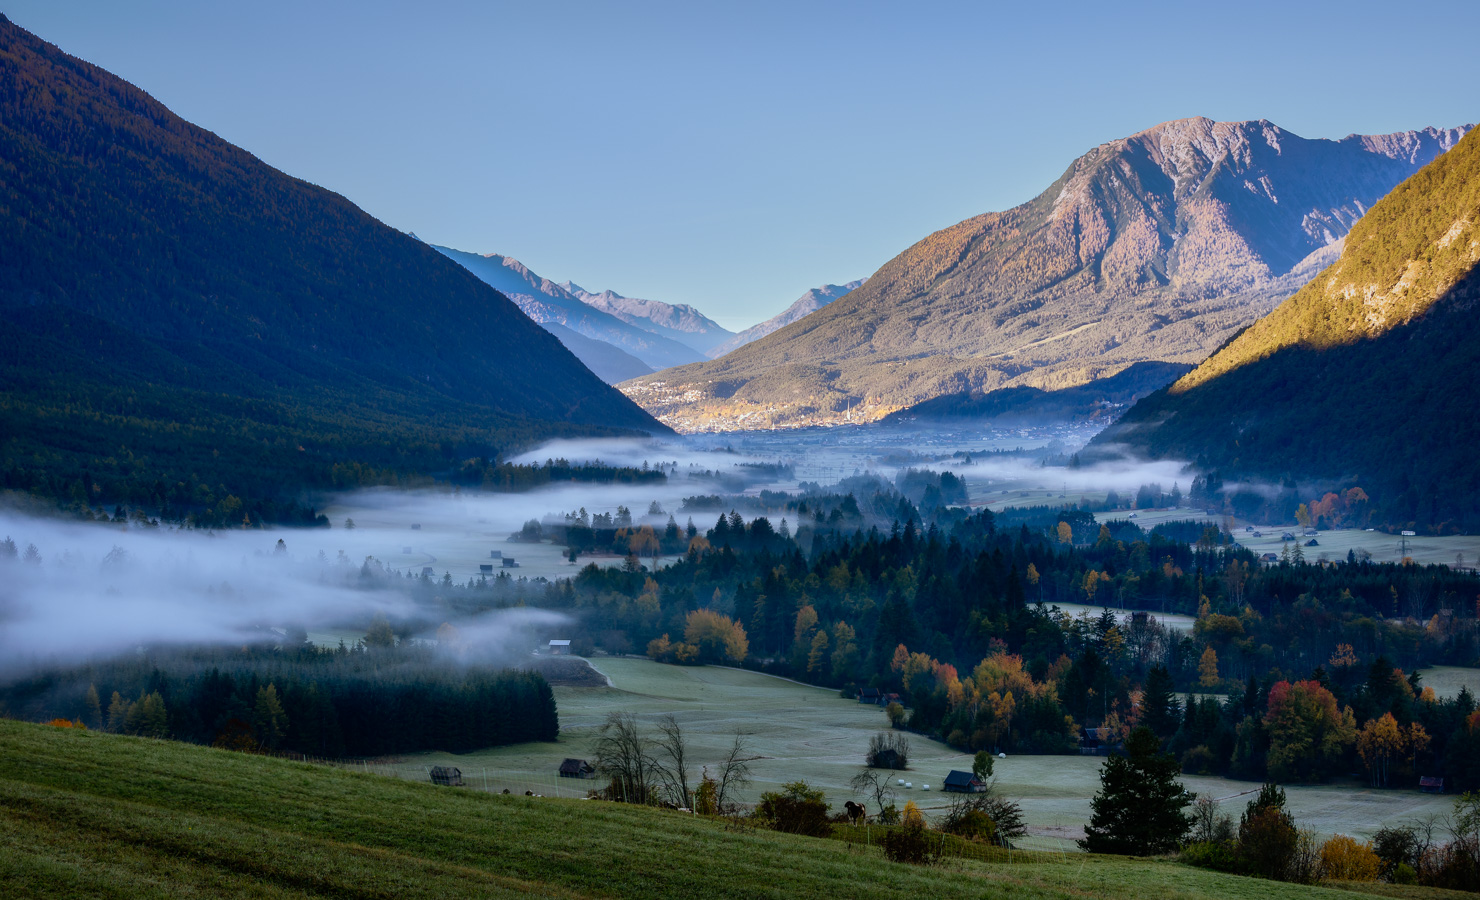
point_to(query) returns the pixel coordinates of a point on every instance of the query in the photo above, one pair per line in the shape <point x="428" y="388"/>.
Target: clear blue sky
<point x="734" y="156"/>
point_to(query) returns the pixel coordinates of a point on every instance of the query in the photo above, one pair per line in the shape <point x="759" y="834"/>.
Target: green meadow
<point x="85" y="814"/>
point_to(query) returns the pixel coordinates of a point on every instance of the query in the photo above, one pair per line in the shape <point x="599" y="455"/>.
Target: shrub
<point x="910" y="842"/>
<point x="1343" y="859"/>
<point x="1199" y="761"/>
<point x="1397" y="846"/>
<point x="1211" y="855"/>
<point x="797" y="809"/>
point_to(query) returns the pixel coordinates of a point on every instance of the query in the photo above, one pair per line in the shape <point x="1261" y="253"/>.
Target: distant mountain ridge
<point x="187" y="327"/>
<point x="1364" y="378"/>
<point x="805" y="305"/>
<point x="1159" y="246"/>
<point x="544" y="301"/>
<point x="676" y="321"/>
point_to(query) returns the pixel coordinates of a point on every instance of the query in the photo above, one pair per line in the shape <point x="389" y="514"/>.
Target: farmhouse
<point x="576" y="768"/>
<point x="447" y="776"/>
<point x="959" y="782"/>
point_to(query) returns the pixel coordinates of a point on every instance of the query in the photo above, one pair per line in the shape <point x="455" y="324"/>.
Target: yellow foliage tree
<point x="1207" y="669"/>
<point x="717" y="637"/>
<point x="1066" y="534"/>
<point x="1343" y="859"/>
<point x="1385" y="746"/>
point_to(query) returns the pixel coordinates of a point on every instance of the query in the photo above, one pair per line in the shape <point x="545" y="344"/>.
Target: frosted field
<point x="809" y="733"/>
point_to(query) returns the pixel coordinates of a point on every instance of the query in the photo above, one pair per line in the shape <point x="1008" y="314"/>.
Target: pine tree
<point x="94" y="707"/>
<point x="1139" y="810"/>
<point x="1158" y="702"/>
<point x="268" y="718"/>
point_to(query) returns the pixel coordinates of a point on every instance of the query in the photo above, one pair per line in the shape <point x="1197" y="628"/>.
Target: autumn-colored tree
<point x="717" y="637"/>
<point x="1343" y="859"/>
<point x="1207" y="669"/>
<point x="1065" y="533"/>
<point x="1308" y="734"/>
<point x="1385" y="746"/>
<point x="817" y="656"/>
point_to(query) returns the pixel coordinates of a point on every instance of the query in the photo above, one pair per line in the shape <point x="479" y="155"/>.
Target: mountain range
<point x="546" y="302"/>
<point x="1155" y="247"/>
<point x="1365" y="378"/>
<point x="184" y="324"/>
<point x="805" y="305"/>
<point x="677" y="322"/>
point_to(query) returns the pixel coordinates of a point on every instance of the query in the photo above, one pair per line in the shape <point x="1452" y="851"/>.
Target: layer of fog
<point x="110" y="588"/>
<point x="1123" y="475"/>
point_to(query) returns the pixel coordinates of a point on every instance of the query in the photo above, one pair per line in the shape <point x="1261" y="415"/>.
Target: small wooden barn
<point x="1431" y="785"/>
<point x="447" y="776"/>
<point x="576" y="768"/>
<point x="559" y="648"/>
<point x="959" y="782"/>
<point x="869" y="695"/>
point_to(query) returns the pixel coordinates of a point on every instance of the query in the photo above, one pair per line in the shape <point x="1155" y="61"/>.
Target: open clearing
<point x="809" y="733"/>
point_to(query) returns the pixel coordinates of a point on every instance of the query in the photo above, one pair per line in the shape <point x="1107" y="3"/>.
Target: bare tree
<point x="871" y="783"/>
<point x="673" y="770"/>
<point x="623" y="755"/>
<point x="734" y="775"/>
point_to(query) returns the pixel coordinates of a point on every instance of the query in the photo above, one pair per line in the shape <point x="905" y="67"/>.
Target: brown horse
<point x="855" y="811"/>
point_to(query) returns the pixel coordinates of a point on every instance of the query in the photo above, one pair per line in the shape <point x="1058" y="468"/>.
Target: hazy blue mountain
<point x="544" y="301"/>
<point x="678" y="322"/>
<point x="805" y="305"/>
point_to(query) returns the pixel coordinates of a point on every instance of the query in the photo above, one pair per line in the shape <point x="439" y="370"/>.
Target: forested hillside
<point x="1160" y="246"/>
<point x="1365" y="378"/>
<point x="185" y="324"/>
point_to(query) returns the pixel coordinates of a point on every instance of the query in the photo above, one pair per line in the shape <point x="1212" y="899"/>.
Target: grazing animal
<point x="855" y="811"/>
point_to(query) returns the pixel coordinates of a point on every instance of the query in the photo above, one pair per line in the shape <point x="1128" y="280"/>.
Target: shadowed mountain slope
<point x="1365" y="377"/>
<point x="1159" y="246"/>
<point x="182" y="322"/>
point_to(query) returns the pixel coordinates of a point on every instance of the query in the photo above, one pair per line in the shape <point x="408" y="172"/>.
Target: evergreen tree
<point x="1158" y="702"/>
<point x="1139" y="810"/>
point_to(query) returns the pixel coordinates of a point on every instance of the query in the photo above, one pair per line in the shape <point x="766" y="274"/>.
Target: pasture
<point x="86" y="814"/>
<point x="799" y="732"/>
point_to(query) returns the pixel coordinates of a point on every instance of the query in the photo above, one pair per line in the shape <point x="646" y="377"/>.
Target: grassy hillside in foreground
<point x="89" y="814"/>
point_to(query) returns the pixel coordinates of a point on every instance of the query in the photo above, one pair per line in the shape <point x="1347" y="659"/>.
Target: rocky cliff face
<point x="1159" y="246"/>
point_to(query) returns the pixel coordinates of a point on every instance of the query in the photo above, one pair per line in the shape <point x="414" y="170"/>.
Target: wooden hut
<point x="447" y="776"/>
<point x="576" y="768"/>
<point x="959" y="782"/>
